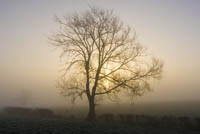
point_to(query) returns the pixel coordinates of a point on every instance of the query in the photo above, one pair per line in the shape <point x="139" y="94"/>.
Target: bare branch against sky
<point x="105" y="55"/>
<point x="169" y="29"/>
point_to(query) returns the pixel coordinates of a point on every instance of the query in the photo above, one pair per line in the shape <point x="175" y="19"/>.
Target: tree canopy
<point x="103" y="57"/>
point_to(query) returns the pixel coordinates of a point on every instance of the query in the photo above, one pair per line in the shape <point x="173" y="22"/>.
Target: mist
<point x="29" y="64"/>
<point x="163" y="88"/>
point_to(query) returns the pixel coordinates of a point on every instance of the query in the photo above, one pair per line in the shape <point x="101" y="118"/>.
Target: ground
<point x="27" y="125"/>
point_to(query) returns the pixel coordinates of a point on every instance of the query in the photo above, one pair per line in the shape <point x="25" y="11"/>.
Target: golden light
<point x="106" y="83"/>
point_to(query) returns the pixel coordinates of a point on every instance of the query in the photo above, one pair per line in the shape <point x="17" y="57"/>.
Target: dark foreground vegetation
<point x="15" y="120"/>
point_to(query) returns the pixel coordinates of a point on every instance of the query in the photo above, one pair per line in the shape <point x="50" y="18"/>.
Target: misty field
<point x="164" y="118"/>
<point x="62" y="125"/>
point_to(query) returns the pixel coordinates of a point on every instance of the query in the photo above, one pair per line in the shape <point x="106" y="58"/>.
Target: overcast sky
<point x="170" y="29"/>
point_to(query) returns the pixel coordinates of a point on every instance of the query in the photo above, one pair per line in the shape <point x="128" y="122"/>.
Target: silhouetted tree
<point x="103" y="58"/>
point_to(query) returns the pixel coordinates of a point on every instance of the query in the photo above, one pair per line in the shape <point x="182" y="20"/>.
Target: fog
<point x="29" y="66"/>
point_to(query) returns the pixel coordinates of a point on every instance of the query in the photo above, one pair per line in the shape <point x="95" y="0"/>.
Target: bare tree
<point x="103" y="58"/>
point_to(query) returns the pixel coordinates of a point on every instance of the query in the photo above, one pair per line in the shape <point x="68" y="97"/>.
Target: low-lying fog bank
<point x="189" y="108"/>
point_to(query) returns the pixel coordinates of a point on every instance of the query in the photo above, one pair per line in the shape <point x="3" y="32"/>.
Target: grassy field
<point x="159" y="118"/>
<point x="32" y="125"/>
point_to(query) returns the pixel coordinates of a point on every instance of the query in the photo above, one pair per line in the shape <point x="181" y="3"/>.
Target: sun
<point x="106" y="83"/>
<point x="107" y="70"/>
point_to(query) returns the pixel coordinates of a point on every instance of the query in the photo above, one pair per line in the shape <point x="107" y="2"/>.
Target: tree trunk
<point x="91" y="114"/>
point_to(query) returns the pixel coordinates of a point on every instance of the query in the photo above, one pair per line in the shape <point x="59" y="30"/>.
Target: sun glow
<point x="107" y="83"/>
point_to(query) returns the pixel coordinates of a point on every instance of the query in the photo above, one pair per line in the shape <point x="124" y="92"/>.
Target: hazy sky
<point x="170" y="29"/>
